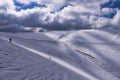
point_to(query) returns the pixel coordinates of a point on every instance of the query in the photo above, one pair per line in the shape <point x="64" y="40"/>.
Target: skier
<point x="10" y="39"/>
<point x="50" y="57"/>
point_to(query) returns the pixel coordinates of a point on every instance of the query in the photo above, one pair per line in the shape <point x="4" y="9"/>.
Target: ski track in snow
<point x="58" y="61"/>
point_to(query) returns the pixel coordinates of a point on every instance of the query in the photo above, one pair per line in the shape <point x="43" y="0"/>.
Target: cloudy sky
<point x="35" y="15"/>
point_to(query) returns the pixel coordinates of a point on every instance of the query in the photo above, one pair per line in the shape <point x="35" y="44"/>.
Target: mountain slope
<point x="88" y="50"/>
<point x="103" y="45"/>
<point x="17" y="63"/>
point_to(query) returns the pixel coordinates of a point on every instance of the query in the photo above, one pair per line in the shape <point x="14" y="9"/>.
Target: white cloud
<point x="7" y="5"/>
<point x="82" y="13"/>
<point x="116" y="19"/>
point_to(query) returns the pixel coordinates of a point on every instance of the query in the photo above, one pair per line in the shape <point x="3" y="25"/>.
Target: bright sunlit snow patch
<point x="62" y="63"/>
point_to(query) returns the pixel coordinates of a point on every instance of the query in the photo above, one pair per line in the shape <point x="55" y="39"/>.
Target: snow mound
<point x="94" y="36"/>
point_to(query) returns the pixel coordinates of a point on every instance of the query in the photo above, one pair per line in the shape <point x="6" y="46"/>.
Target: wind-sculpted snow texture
<point x="17" y="63"/>
<point x="74" y="55"/>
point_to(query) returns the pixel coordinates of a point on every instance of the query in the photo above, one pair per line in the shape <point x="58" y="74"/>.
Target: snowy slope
<point x="17" y="63"/>
<point x="103" y="45"/>
<point x="88" y="51"/>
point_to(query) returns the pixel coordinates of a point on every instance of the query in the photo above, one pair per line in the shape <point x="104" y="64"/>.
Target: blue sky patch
<point x="114" y="4"/>
<point x="21" y="6"/>
<point x="110" y="15"/>
<point x="111" y="4"/>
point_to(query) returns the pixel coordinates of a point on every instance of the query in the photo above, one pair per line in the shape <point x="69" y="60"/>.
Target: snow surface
<point x="17" y="63"/>
<point x="74" y="55"/>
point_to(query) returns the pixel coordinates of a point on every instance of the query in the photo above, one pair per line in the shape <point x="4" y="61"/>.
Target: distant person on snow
<point x="10" y="39"/>
<point x="50" y="57"/>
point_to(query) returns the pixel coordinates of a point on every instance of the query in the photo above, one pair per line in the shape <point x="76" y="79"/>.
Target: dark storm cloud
<point x="14" y="29"/>
<point x="29" y="20"/>
<point x="7" y="19"/>
<point x="67" y="25"/>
